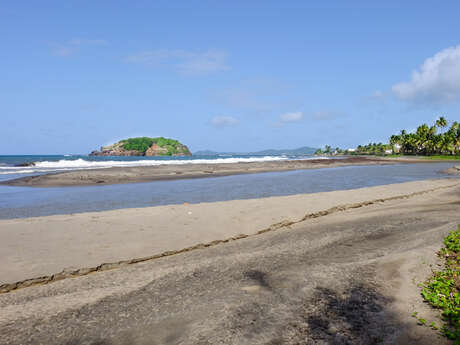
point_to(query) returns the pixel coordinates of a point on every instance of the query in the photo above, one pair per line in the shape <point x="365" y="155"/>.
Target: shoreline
<point x="349" y="259"/>
<point x="123" y="175"/>
<point x="119" y="237"/>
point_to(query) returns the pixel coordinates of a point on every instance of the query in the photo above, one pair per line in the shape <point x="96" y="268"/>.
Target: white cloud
<point x="261" y="97"/>
<point x="224" y="121"/>
<point x="378" y="95"/>
<point x="327" y="115"/>
<point x="157" y="56"/>
<point x="291" y="117"/>
<point x="184" y="62"/>
<point x="288" y="118"/>
<point x="436" y="82"/>
<point x="298" y="116"/>
<point x="74" y="45"/>
<point x="80" y="41"/>
<point x="61" y="50"/>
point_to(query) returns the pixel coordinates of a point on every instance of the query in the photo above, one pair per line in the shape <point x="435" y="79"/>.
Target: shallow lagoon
<point x="19" y="202"/>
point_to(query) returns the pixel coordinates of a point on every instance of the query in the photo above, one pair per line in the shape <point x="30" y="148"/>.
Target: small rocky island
<point x="144" y="146"/>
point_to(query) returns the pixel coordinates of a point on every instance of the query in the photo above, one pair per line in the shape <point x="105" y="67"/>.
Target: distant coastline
<point x="305" y="150"/>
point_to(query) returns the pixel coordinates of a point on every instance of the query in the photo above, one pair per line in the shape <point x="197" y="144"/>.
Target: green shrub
<point x="137" y="144"/>
<point x="142" y="144"/>
<point x="442" y="289"/>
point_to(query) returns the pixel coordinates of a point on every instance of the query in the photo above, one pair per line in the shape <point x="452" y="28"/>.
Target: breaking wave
<point x="81" y="164"/>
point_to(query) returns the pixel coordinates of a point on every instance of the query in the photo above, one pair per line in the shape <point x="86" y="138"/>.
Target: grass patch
<point x="442" y="288"/>
<point x="442" y="157"/>
<point x="434" y="157"/>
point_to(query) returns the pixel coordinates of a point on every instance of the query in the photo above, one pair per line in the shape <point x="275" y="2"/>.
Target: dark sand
<point x="185" y="171"/>
<point x="347" y="277"/>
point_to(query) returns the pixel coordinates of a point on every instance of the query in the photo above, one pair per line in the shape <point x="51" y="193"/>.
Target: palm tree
<point x="446" y="144"/>
<point x="395" y="139"/>
<point x="441" y="122"/>
<point x="395" y="142"/>
<point x="409" y="143"/>
<point x="454" y="136"/>
<point x="425" y="140"/>
<point x="422" y="136"/>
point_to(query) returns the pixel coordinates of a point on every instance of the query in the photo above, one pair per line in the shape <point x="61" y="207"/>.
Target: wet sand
<point x="455" y="170"/>
<point x="327" y="274"/>
<point x="43" y="246"/>
<point x="184" y="171"/>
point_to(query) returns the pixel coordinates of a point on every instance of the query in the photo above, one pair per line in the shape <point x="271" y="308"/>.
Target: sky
<point x="223" y="75"/>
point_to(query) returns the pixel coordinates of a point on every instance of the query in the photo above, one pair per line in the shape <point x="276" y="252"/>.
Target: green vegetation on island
<point x="140" y="144"/>
<point x="144" y="146"/>
<point x="442" y="290"/>
<point x="438" y="141"/>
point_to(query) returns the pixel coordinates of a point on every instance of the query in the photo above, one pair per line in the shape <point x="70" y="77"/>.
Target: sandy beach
<point x="230" y="173"/>
<point x="277" y="270"/>
<point x="43" y="246"/>
<point x="184" y="171"/>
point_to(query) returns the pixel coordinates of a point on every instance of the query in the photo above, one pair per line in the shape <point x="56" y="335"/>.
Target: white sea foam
<point x="82" y="164"/>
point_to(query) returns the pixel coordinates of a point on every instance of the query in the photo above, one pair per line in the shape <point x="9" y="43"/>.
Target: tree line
<point x="438" y="139"/>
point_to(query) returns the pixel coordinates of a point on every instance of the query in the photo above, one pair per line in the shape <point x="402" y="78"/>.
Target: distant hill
<point x="207" y="153"/>
<point x="306" y="150"/>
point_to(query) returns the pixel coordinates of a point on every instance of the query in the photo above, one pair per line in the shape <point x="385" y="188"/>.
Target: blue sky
<point x="227" y="76"/>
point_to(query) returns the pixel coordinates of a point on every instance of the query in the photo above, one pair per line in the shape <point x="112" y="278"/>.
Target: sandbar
<point x="120" y="175"/>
